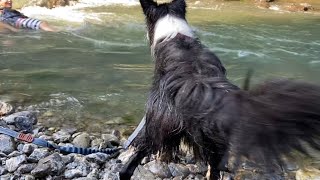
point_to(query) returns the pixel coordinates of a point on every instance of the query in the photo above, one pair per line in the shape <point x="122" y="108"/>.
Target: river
<point x="96" y="71"/>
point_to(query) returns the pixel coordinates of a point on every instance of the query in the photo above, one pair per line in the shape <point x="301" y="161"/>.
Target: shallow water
<point x="99" y="67"/>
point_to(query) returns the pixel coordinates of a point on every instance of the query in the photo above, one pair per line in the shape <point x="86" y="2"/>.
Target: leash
<point x="63" y="149"/>
<point x="135" y="133"/>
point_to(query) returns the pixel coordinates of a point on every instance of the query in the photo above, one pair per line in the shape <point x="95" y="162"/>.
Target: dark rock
<point x="26" y="168"/>
<point x="23" y="120"/>
<point x="41" y="170"/>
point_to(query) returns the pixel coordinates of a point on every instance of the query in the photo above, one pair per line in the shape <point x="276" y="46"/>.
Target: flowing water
<point x="96" y="72"/>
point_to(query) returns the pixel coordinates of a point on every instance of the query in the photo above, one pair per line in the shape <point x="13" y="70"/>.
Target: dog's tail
<point x="278" y="118"/>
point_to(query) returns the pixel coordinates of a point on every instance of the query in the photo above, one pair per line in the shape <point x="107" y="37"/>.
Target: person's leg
<point x="45" y="26"/>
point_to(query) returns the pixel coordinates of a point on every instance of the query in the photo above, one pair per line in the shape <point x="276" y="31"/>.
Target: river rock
<point x="3" y="170"/>
<point x="114" y="140"/>
<point x="5" y="108"/>
<point x="82" y="140"/>
<point x="52" y="164"/>
<point x="61" y="136"/>
<point x="308" y="174"/>
<point x="160" y="169"/>
<point x="98" y="158"/>
<point x="28" y="177"/>
<point x="13" y="163"/>
<point x="38" y="154"/>
<point x="28" y="148"/>
<point x="26" y="168"/>
<point x="7" y="144"/>
<point x="179" y="170"/>
<point x="23" y="120"/>
<point x="142" y="173"/>
<point x="80" y="167"/>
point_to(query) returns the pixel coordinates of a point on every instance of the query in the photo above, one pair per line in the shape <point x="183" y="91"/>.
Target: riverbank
<point x="27" y="161"/>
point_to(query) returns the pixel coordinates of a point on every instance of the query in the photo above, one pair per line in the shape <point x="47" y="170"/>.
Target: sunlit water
<point x="99" y="68"/>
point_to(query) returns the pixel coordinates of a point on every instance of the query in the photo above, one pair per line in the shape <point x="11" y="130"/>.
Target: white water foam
<point x="74" y="13"/>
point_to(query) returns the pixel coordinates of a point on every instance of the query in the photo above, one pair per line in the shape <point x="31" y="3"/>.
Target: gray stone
<point x="114" y="140"/>
<point x="28" y="177"/>
<point x="7" y="177"/>
<point x="28" y="148"/>
<point x="94" y="174"/>
<point x="14" y="154"/>
<point x="38" y="154"/>
<point x="142" y="173"/>
<point x="159" y="169"/>
<point x="178" y="170"/>
<point x="61" y="136"/>
<point x="82" y="140"/>
<point x="98" y="158"/>
<point x="80" y="167"/>
<point x="3" y="170"/>
<point x="7" y="144"/>
<point x="26" y="168"/>
<point x="41" y="170"/>
<point x="52" y="165"/>
<point x="199" y="168"/>
<point x="13" y="163"/>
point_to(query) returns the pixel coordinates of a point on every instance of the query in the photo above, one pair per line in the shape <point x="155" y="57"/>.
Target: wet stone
<point x="23" y="120"/>
<point x="7" y="144"/>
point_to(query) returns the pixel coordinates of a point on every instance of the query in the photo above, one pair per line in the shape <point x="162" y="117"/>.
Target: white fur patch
<point x="169" y="26"/>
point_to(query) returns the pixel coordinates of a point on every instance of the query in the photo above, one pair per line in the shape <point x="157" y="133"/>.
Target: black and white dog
<point x="192" y="101"/>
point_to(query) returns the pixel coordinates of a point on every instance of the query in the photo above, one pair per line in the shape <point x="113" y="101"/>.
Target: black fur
<point x="191" y="100"/>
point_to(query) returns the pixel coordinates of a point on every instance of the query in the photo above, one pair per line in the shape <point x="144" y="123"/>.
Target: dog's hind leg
<point x="128" y="169"/>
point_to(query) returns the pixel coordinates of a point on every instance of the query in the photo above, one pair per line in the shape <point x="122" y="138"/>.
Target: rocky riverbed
<point x="26" y="161"/>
